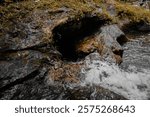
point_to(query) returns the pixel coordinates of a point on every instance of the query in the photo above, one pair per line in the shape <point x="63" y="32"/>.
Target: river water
<point x="131" y="79"/>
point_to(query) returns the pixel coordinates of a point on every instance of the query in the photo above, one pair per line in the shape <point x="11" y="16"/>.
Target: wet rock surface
<point x="46" y="55"/>
<point x="29" y="60"/>
<point x="19" y="66"/>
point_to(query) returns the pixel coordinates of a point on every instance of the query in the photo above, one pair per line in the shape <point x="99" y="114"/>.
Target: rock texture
<point x="42" y="54"/>
<point x="113" y="38"/>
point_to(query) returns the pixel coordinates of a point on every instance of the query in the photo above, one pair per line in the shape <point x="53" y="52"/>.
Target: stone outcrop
<point x="42" y="54"/>
<point x="112" y="38"/>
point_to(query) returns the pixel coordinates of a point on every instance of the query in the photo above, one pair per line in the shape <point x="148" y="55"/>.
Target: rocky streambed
<point x="131" y="79"/>
<point x="57" y="54"/>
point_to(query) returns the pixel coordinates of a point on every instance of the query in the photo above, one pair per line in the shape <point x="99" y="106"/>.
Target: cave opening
<point x="67" y="35"/>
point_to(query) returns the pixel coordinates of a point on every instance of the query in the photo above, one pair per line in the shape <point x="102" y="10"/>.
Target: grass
<point x="18" y="11"/>
<point x="133" y="13"/>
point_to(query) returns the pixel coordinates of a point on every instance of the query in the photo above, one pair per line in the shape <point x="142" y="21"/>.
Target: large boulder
<point x="33" y="53"/>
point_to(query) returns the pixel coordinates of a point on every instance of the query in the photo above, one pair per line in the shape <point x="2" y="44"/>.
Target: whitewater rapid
<point x="130" y="83"/>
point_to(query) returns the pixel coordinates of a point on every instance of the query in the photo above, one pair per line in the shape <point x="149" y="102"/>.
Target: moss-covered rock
<point x="43" y="40"/>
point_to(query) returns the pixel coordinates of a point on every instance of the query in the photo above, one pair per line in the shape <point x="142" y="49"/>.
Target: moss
<point x="87" y="46"/>
<point x="66" y="74"/>
<point x="133" y="13"/>
<point x="18" y="11"/>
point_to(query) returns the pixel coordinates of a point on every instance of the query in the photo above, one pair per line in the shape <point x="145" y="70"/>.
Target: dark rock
<point x="43" y="48"/>
<point x="20" y="66"/>
<point x="27" y="89"/>
<point x="22" y="36"/>
<point x="38" y="88"/>
<point x="35" y="31"/>
<point x="91" y="93"/>
<point x="144" y="27"/>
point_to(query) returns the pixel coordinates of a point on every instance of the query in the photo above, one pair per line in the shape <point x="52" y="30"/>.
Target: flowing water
<point x="131" y="79"/>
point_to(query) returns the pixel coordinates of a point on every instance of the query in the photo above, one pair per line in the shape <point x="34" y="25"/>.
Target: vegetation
<point x="17" y="10"/>
<point x="135" y="14"/>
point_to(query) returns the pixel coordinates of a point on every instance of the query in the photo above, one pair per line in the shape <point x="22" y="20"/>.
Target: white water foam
<point x="132" y="85"/>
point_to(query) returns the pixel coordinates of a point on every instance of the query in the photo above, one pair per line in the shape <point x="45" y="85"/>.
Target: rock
<point x="38" y="89"/>
<point x="20" y="66"/>
<point x="29" y="34"/>
<point x="23" y="76"/>
<point x="31" y="58"/>
<point x="34" y="87"/>
<point x="113" y="35"/>
<point x="23" y="36"/>
<point x="91" y="93"/>
<point x="144" y="27"/>
<point x="112" y="38"/>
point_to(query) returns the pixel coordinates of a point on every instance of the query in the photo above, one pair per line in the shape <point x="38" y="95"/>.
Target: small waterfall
<point x="131" y="84"/>
<point x="132" y="81"/>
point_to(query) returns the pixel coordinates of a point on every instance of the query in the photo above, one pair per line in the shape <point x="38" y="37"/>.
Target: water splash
<point x="131" y="83"/>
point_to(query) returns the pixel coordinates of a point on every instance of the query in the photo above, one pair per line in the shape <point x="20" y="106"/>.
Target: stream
<point x="132" y="78"/>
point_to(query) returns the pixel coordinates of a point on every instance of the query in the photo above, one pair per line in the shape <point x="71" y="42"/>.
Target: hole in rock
<point x="122" y="39"/>
<point x="66" y="36"/>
